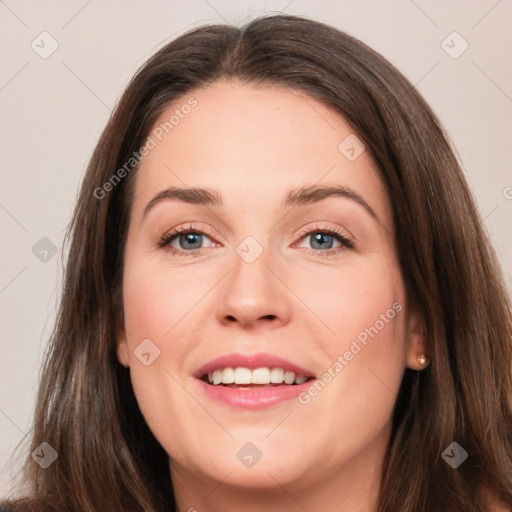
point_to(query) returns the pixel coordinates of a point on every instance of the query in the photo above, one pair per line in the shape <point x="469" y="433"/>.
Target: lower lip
<point x="254" y="398"/>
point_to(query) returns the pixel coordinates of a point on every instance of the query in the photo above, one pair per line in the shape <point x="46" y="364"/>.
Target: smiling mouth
<point x="263" y="377"/>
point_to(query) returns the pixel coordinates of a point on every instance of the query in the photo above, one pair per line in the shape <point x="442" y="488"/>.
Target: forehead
<point x="253" y="144"/>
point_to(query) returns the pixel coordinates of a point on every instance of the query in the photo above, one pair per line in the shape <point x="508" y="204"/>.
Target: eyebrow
<point x="296" y="197"/>
<point x="315" y="193"/>
<point x="195" y="195"/>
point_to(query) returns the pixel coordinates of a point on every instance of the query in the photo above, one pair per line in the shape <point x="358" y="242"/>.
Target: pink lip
<point x="252" y="398"/>
<point x="251" y="362"/>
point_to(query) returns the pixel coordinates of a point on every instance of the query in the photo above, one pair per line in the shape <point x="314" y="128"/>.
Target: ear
<point x="122" y="347"/>
<point x="416" y="340"/>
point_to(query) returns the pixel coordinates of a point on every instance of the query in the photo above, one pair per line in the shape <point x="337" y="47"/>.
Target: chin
<point x="257" y="464"/>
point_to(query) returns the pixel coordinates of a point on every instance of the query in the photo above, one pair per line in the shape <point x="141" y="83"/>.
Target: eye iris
<point x="322" y="238"/>
<point x="190" y="238"/>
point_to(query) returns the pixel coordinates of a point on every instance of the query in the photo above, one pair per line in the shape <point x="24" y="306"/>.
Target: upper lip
<point x="251" y="361"/>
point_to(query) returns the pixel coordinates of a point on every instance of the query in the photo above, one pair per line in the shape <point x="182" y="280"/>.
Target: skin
<point x="253" y="144"/>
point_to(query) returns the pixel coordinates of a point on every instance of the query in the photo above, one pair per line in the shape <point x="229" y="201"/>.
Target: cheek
<point x="364" y="309"/>
<point x="355" y="297"/>
<point x="156" y="299"/>
<point x="159" y="304"/>
<point x="155" y="303"/>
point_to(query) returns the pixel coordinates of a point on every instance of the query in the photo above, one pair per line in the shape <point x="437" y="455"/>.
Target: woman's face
<point x="283" y="267"/>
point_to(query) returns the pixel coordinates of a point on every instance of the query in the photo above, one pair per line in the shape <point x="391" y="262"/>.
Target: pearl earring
<point x="422" y="359"/>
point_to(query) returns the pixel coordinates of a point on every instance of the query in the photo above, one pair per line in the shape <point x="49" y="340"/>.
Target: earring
<point x="422" y="359"/>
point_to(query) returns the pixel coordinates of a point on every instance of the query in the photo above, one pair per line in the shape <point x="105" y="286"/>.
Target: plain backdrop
<point x="53" y="108"/>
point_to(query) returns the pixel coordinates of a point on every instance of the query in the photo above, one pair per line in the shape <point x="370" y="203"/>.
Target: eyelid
<point x="325" y="226"/>
<point x="343" y="236"/>
<point x="164" y="238"/>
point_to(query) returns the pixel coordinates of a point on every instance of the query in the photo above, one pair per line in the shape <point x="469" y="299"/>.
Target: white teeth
<point x="228" y="376"/>
<point x="263" y="376"/>
<point x="300" y="379"/>
<point x="276" y="375"/>
<point x="260" y="376"/>
<point x="289" y="378"/>
<point x="242" y="376"/>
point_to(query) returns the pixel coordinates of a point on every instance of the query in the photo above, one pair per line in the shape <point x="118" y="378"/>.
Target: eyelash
<point x="168" y="237"/>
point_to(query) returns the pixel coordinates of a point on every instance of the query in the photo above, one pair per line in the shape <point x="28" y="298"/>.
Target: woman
<point x="279" y="295"/>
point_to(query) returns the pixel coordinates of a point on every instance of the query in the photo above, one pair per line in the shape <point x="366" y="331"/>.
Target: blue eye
<point x="189" y="241"/>
<point x="183" y="240"/>
<point x="322" y="240"/>
<point x="325" y="241"/>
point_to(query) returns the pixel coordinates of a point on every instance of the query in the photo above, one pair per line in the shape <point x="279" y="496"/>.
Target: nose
<point x="253" y="295"/>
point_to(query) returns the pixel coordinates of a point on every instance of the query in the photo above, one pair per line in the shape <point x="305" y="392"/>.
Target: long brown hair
<point x="86" y="409"/>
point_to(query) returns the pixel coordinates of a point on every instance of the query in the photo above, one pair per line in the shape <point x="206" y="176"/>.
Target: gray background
<point x="54" y="108"/>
